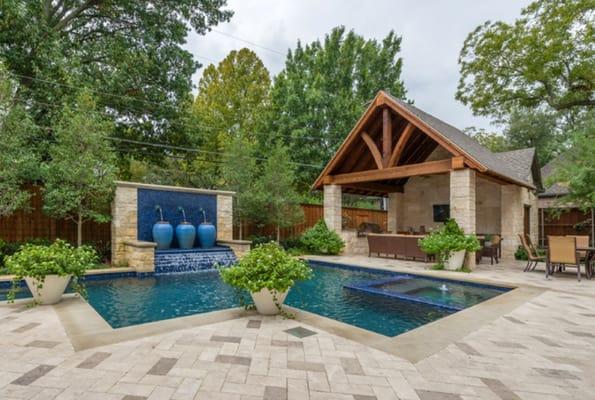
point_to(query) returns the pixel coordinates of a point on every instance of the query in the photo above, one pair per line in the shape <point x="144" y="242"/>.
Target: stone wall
<point x="354" y="245"/>
<point x="462" y="199"/>
<point x="420" y="194"/>
<point x="140" y="255"/>
<point x="224" y="217"/>
<point x="124" y="222"/>
<point x="333" y="202"/>
<point x="488" y="206"/>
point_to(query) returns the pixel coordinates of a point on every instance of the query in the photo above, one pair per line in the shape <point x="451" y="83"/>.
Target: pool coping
<point x="87" y="329"/>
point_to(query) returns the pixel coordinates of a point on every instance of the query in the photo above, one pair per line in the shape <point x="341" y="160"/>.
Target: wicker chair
<point x="493" y="251"/>
<point x="562" y="253"/>
<point x="532" y="257"/>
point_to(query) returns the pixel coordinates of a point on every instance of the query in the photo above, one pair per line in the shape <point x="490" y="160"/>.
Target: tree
<point x="492" y="141"/>
<point x="80" y="176"/>
<point x="576" y="167"/>
<point x="276" y="191"/>
<point x="19" y="158"/>
<point x="127" y="52"/>
<point x="542" y="60"/>
<point x="535" y="128"/>
<point x="323" y="90"/>
<point x="239" y="173"/>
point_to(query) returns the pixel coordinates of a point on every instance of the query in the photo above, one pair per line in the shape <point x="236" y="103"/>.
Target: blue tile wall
<point x="169" y="202"/>
<point x="169" y="262"/>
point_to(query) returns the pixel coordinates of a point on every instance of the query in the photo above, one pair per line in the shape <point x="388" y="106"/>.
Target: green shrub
<point x="59" y="258"/>
<point x="257" y="240"/>
<point x="520" y="254"/>
<point x="321" y="240"/>
<point x="266" y="266"/>
<point x="449" y="238"/>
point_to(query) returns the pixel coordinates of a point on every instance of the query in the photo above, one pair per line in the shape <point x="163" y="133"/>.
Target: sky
<point x="433" y="32"/>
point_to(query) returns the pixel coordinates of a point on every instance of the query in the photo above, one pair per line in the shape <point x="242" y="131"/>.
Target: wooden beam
<point x="354" y="157"/>
<point x="404" y="171"/>
<point x="458" y="162"/>
<point x="376" y="187"/>
<point x="373" y="149"/>
<point x="387" y="135"/>
<point x="398" y="150"/>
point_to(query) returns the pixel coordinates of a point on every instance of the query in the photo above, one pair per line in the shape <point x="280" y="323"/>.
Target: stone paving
<point x="544" y="349"/>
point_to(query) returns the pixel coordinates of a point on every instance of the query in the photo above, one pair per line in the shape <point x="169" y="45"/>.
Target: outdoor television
<point x="441" y="212"/>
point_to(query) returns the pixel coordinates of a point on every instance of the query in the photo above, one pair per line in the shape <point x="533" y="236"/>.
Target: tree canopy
<point x="127" y="52"/>
<point x="544" y="59"/>
<point x="322" y="91"/>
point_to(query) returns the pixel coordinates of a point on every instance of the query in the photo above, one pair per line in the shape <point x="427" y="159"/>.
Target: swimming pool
<point x="385" y="302"/>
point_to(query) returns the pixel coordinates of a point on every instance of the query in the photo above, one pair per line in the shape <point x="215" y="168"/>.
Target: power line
<point x="249" y="42"/>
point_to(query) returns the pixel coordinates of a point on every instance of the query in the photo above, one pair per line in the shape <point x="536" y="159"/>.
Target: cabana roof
<point x="392" y="141"/>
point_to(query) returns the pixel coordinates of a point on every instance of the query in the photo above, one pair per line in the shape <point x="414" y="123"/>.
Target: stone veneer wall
<point x="125" y="219"/>
<point x="140" y="255"/>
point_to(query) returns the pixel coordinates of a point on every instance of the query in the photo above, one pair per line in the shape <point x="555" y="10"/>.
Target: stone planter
<point x="455" y="260"/>
<point x="264" y="303"/>
<point x="52" y="290"/>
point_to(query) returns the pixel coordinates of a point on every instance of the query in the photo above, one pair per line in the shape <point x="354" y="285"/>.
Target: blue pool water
<point x="370" y="299"/>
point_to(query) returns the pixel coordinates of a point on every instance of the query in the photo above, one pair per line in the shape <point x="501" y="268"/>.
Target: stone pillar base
<point x="140" y="255"/>
<point x="239" y="247"/>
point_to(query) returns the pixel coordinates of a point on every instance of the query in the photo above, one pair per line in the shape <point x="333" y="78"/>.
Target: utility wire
<point x="249" y="42"/>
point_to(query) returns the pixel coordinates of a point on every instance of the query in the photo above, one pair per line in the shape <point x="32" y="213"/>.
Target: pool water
<point x="384" y="302"/>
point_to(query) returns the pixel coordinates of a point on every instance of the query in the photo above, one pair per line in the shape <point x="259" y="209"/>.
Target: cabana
<point x="430" y="170"/>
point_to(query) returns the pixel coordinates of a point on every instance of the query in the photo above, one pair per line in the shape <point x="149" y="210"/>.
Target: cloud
<point x="433" y="32"/>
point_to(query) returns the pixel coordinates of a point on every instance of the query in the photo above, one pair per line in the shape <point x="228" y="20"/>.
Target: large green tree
<point x="80" y="176"/>
<point x="322" y="91"/>
<point x="275" y="190"/>
<point x="19" y="159"/>
<point x="542" y="60"/>
<point x="127" y="52"/>
<point x="575" y="169"/>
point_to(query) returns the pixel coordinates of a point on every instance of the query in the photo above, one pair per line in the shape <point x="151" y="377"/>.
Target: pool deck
<point x="535" y="342"/>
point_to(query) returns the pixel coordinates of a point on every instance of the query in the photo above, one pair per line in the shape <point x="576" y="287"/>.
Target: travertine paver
<point x="544" y="349"/>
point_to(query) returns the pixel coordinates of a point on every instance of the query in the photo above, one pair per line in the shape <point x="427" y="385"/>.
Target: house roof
<point x="556" y="189"/>
<point x="515" y="167"/>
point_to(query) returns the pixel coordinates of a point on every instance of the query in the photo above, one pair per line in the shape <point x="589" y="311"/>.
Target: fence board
<point x="352" y="217"/>
<point x="23" y="225"/>
<point x="570" y="222"/>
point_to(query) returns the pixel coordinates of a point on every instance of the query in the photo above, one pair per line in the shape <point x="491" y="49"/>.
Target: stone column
<point x="462" y="204"/>
<point x="395" y="203"/>
<point x="124" y="222"/>
<point x="332" y="207"/>
<point x="512" y="219"/>
<point x="224" y="217"/>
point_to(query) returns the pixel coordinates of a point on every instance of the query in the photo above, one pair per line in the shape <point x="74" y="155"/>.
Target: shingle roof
<point x="519" y="171"/>
<point x="557" y="189"/>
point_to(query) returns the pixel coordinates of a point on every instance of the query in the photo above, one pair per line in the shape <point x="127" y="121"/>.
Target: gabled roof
<point x="494" y="162"/>
<point x="440" y="133"/>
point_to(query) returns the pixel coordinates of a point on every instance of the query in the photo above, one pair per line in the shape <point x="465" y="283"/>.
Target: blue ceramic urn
<point x="207" y="235"/>
<point x="185" y="233"/>
<point x="163" y="234"/>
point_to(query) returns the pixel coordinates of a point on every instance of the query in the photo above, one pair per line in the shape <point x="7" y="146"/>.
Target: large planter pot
<point x="455" y="260"/>
<point x="207" y="235"/>
<point x="264" y="302"/>
<point x="185" y="233"/>
<point x="163" y="234"/>
<point x="52" y="289"/>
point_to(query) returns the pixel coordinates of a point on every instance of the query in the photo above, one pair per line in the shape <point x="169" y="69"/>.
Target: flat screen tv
<point x="441" y="212"/>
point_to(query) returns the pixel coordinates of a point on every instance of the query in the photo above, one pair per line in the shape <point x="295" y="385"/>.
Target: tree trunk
<point x="79" y="231"/>
<point x="278" y="234"/>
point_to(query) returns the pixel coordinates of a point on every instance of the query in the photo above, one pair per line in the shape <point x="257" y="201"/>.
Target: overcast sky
<point x="433" y="32"/>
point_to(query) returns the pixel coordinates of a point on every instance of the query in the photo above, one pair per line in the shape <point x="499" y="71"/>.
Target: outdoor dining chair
<point x="532" y="256"/>
<point x="492" y="251"/>
<point x="562" y="253"/>
<point x="582" y="241"/>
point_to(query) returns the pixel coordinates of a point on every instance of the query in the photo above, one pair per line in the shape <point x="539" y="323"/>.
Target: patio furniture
<point x="562" y="252"/>
<point x="399" y="246"/>
<point x="584" y="253"/>
<point x="532" y="256"/>
<point x="492" y="251"/>
<point x="368" y="227"/>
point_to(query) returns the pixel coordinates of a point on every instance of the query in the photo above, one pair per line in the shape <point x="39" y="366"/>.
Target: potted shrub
<point x="47" y="270"/>
<point x="449" y="244"/>
<point x="267" y="272"/>
<point x="321" y="240"/>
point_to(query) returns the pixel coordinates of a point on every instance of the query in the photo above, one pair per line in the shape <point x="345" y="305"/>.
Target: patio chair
<point x="532" y="256"/>
<point x="562" y="253"/>
<point x="583" y="241"/>
<point x="493" y="250"/>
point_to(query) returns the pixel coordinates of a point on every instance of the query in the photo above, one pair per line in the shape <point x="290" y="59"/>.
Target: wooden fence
<point x="32" y="224"/>
<point x="352" y="217"/>
<point x="569" y="222"/>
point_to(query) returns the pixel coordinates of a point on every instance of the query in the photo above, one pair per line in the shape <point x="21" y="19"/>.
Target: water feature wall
<point x="169" y="201"/>
<point x="178" y="261"/>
